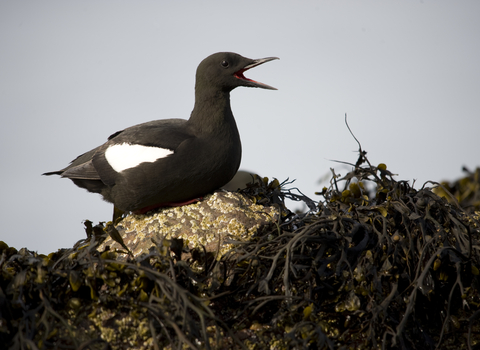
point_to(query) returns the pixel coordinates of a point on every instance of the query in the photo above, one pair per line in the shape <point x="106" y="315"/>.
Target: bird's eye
<point x="225" y="64"/>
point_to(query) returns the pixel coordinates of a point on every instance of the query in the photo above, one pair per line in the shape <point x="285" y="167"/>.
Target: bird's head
<point x="225" y="71"/>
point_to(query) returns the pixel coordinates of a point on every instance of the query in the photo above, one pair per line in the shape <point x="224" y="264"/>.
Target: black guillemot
<point x="172" y="161"/>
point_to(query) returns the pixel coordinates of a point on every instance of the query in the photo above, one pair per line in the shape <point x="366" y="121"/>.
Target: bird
<point x="172" y="162"/>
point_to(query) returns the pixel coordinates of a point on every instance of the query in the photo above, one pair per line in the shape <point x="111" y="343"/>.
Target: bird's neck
<point x="211" y="111"/>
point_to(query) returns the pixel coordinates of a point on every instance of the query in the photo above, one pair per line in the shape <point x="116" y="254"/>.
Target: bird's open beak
<point x="254" y="63"/>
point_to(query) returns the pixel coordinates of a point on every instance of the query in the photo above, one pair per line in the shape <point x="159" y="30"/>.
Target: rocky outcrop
<point x="212" y="222"/>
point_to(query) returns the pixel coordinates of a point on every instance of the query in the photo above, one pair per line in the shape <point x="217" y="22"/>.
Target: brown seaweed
<point x="375" y="263"/>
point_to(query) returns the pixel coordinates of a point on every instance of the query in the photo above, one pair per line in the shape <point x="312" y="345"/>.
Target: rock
<point x="240" y="180"/>
<point x="209" y="223"/>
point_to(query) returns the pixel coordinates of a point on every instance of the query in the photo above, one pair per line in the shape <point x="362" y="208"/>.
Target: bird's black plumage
<point x="201" y="154"/>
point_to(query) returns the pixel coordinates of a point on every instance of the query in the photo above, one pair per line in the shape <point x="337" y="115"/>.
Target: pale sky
<point x="407" y="73"/>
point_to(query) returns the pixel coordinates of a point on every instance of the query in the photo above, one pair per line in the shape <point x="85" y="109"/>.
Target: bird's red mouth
<point x="239" y="74"/>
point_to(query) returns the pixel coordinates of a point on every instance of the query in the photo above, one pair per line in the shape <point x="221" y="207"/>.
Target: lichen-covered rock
<point x="209" y="223"/>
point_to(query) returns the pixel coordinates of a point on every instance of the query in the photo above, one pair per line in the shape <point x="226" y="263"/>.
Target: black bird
<point x="172" y="161"/>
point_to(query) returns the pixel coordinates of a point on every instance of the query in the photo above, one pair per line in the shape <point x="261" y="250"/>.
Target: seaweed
<point x="466" y="191"/>
<point x="379" y="265"/>
<point x="375" y="263"/>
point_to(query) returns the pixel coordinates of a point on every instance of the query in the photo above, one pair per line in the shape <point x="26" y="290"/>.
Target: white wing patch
<point x="125" y="156"/>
